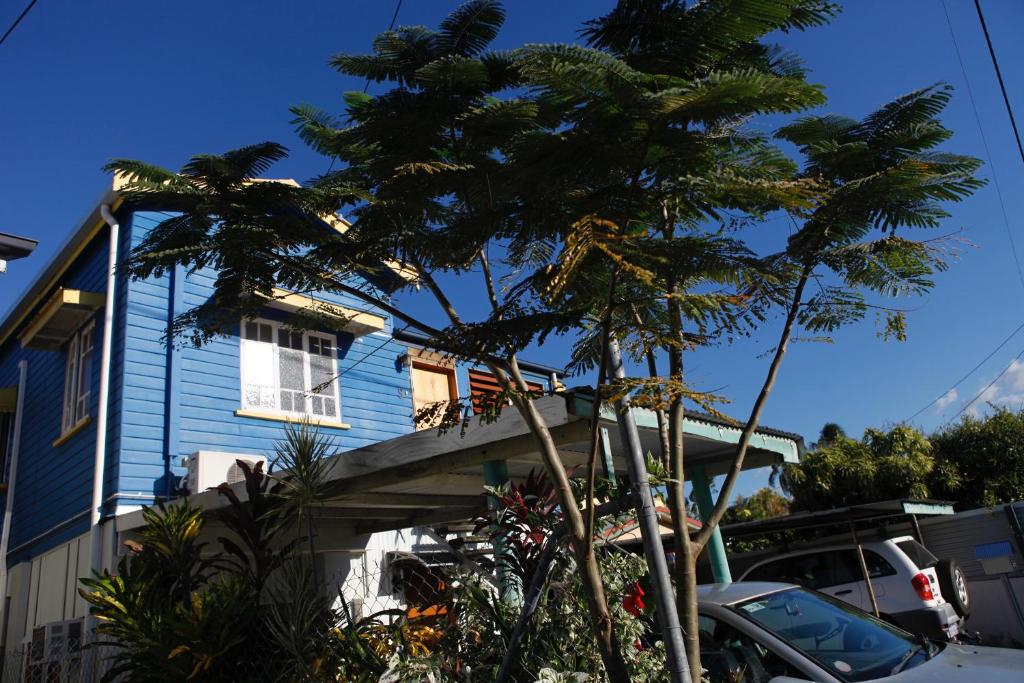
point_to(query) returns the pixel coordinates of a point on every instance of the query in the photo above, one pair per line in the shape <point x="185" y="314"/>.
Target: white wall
<point x="46" y="589"/>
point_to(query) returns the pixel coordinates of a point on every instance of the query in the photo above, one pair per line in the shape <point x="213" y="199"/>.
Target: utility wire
<point x="984" y="142"/>
<point x="987" y="387"/>
<point x="394" y="18"/>
<point x="369" y="353"/>
<point x="366" y="86"/>
<point x="1002" y="206"/>
<point x="999" y="76"/>
<point x="17" y="21"/>
<point x="971" y="372"/>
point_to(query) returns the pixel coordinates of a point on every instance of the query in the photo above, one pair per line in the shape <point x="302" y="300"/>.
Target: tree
<point x="979" y="462"/>
<point x="652" y="147"/>
<point x="650" y="241"/>
<point x="426" y="168"/>
<point x="882" y="465"/>
<point x="764" y="503"/>
<point x="585" y="184"/>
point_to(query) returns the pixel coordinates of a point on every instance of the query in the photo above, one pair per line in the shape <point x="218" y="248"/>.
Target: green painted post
<point x="606" y="452"/>
<point x="496" y="474"/>
<point x="716" y="547"/>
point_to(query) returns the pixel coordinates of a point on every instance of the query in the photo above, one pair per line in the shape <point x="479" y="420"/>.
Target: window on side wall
<point x="78" y="378"/>
<point x="288" y="371"/>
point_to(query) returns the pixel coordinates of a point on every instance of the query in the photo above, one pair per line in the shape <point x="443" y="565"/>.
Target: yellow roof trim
<point x="60" y="264"/>
<point x="358" y="323"/>
<point x="60" y="317"/>
<point x="8" y="399"/>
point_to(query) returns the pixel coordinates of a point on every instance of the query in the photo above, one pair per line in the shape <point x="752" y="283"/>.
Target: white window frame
<point x="332" y="391"/>
<point x="78" y="378"/>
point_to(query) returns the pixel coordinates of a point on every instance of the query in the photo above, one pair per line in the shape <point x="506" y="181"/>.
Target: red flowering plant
<point x="522" y="516"/>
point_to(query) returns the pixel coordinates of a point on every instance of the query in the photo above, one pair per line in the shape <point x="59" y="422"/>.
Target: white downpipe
<point x="100" y="460"/>
<point x="5" y="535"/>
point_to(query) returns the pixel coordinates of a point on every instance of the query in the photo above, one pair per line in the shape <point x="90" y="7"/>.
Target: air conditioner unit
<point x="54" y="653"/>
<point x="208" y="469"/>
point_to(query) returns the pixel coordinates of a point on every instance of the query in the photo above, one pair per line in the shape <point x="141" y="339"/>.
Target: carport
<point x="850" y="517"/>
<point x="424" y="478"/>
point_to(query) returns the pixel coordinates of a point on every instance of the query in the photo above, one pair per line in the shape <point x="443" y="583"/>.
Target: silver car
<point x="781" y="633"/>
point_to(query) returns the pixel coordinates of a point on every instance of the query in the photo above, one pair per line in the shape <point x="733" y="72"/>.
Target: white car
<point x="913" y="588"/>
<point x="780" y="633"/>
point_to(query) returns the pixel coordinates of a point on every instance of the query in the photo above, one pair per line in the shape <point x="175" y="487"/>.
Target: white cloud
<point x="946" y="400"/>
<point x="1008" y="390"/>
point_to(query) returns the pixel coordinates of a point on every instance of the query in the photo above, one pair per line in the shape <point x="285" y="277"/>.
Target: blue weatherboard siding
<point x="374" y="388"/>
<point x="54" y="485"/>
<point x="168" y="402"/>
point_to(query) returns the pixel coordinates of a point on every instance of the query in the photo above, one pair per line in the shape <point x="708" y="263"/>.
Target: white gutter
<point x="100" y="460"/>
<point x="5" y="535"/>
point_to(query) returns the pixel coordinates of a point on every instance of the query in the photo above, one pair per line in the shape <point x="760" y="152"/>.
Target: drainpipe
<point x="5" y="535"/>
<point x="100" y="460"/>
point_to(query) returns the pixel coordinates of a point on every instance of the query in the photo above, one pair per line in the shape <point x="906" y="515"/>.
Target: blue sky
<point x="82" y="83"/>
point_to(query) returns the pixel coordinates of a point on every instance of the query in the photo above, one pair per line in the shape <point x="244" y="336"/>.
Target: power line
<point x="984" y="143"/>
<point x="369" y="353"/>
<point x="1006" y="223"/>
<point x="972" y="371"/>
<point x="18" y="20"/>
<point x="394" y="18"/>
<point x="366" y="86"/>
<point x="999" y="76"/>
<point x="987" y="387"/>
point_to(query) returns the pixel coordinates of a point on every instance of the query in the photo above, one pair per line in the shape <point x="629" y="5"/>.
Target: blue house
<point x="99" y="416"/>
<point x="98" y="413"/>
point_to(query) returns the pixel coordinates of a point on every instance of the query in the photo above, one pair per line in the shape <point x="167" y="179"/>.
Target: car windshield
<point x="853" y="645"/>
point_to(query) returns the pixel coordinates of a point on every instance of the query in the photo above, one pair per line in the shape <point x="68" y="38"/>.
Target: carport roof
<point x="424" y="478"/>
<point x="844" y="515"/>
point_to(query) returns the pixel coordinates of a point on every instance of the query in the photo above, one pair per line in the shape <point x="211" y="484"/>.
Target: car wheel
<point x="953" y="583"/>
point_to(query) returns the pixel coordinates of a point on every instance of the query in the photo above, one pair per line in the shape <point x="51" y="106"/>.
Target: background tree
<point x="764" y="503"/>
<point x="979" y="461"/>
<point x="882" y="465"/>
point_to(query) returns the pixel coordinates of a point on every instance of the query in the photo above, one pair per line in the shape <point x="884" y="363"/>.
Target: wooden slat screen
<point x="482" y="383"/>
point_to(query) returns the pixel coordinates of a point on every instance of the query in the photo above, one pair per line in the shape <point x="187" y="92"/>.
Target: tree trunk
<point x="755" y="412"/>
<point x="582" y="545"/>
<point x="686" y="553"/>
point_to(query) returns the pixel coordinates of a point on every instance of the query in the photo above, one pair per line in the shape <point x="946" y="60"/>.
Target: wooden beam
<point x="410" y="470"/>
<point x="404" y="500"/>
<point x="370" y="513"/>
<point x="422" y="454"/>
<point x="432" y="517"/>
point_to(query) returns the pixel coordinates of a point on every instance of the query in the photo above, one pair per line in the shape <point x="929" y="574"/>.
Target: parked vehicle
<point x="779" y="633"/>
<point x="914" y="589"/>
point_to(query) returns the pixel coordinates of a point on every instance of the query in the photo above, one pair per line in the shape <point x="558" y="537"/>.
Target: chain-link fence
<point x="60" y="662"/>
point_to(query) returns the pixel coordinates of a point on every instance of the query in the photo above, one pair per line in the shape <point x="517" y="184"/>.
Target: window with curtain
<point x="287" y="371"/>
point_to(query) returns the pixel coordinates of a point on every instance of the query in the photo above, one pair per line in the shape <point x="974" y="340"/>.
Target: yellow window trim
<point x="72" y="299"/>
<point x="66" y="436"/>
<point x="280" y="417"/>
<point x="357" y="322"/>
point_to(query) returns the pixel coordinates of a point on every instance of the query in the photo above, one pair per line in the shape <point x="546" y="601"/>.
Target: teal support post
<point x="496" y="474"/>
<point x="716" y="546"/>
<point x="606" y="453"/>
